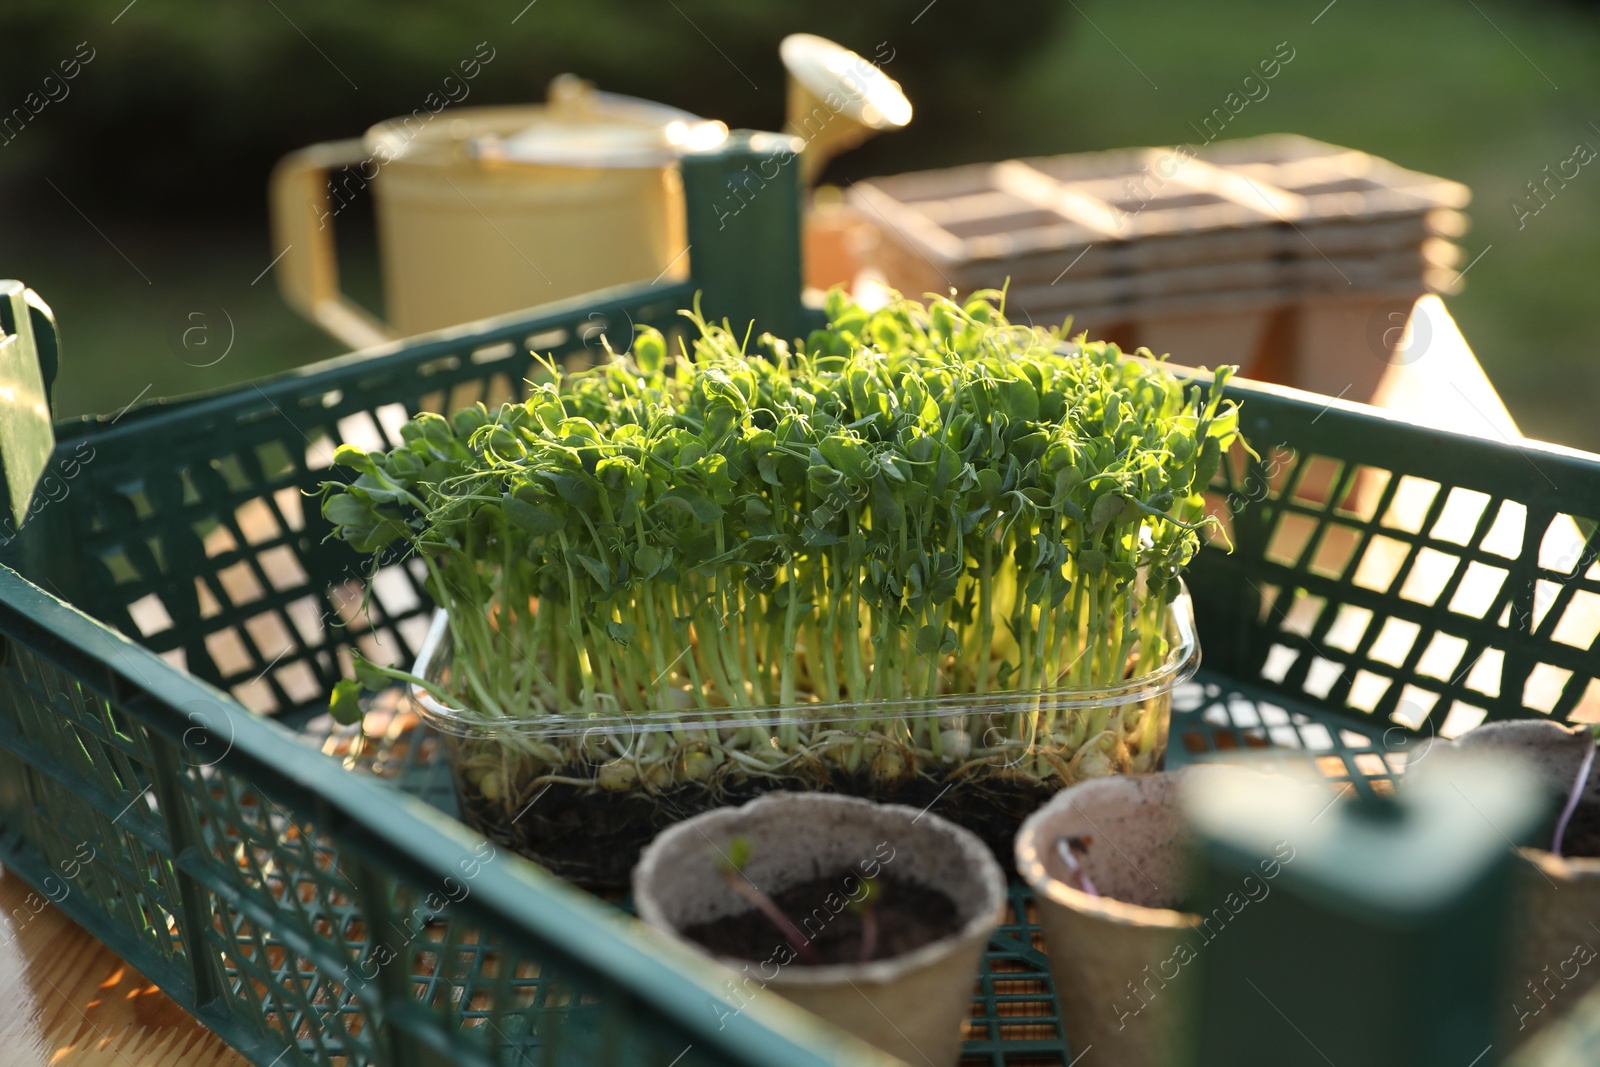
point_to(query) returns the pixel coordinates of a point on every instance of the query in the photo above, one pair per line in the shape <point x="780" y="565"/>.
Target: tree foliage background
<point x="193" y="101"/>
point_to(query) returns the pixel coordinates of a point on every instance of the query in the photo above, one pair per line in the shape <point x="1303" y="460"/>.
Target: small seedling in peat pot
<point x="843" y="917"/>
<point x="731" y="864"/>
<point x="1069" y="849"/>
<point x="1575" y="795"/>
<point x="866" y="909"/>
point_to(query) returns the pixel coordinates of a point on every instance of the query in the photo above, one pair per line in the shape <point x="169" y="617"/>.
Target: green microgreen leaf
<point x="345" y="704"/>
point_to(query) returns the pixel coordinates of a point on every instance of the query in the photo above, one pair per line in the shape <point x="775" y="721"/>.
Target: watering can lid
<point x="578" y="127"/>
<point x="826" y="69"/>
<point x="583" y="127"/>
<point x="599" y="142"/>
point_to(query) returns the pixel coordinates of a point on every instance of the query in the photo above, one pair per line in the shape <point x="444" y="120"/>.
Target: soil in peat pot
<point x="908" y="916"/>
<point x="1583" y="832"/>
<point x="593" y="837"/>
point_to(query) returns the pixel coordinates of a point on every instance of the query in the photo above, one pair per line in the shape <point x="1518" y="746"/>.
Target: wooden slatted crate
<point x="1283" y="254"/>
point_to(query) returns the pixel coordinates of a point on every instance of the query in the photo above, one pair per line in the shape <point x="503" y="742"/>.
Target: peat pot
<point x="912" y="1005"/>
<point x="1556" y="927"/>
<point x="1122" y="960"/>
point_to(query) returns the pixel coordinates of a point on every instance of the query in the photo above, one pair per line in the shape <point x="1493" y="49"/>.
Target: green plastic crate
<point x="303" y="895"/>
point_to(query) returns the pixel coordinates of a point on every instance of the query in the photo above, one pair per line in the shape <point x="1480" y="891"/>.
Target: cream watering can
<point x="486" y="210"/>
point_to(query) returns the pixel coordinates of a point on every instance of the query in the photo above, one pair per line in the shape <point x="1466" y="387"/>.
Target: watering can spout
<point x="837" y="99"/>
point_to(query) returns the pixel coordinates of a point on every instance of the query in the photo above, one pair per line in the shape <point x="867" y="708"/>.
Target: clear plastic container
<point x="581" y="795"/>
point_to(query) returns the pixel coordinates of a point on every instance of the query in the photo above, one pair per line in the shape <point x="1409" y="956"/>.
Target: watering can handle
<point x="302" y="230"/>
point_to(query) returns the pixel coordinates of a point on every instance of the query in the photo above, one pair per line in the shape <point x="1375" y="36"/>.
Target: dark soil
<point x="991" y="805"/>
<point x="908" y="916"/>
<point x="1583" y="831"/>
<point x="588" y="836"/>
<point x="593" y="838"/>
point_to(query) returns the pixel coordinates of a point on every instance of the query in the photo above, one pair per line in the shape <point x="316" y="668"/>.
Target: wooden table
<point x="68" y="1001"/>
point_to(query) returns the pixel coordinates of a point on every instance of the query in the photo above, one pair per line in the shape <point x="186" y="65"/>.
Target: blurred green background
<point x="137" y="199"/>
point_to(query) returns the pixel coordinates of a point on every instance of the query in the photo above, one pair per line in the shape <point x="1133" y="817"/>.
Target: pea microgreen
<point x="914" y="502"/>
